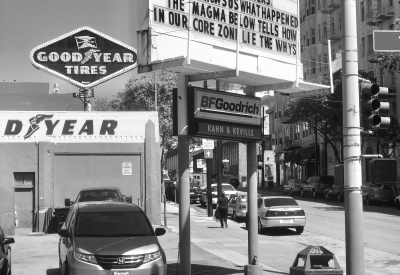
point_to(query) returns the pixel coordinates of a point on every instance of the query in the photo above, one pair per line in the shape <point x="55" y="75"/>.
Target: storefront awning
<point x="308" y="154"/>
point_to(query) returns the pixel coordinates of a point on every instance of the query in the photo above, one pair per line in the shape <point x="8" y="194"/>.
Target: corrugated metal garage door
<point x="75" y="172"/>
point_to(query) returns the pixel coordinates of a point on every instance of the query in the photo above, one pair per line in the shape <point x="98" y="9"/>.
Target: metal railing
<point x="328" y="6"/>
<point x="378" y="14"/>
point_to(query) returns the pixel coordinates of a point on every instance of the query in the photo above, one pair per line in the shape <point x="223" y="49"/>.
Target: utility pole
<point x="219" y="157"/>
<point x="351" y="143"/>
<point x="184" y="187"/>
<point x="252" y="214"/>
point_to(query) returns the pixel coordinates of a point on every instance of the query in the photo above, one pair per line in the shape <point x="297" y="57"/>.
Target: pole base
<point x="253" y="270"/>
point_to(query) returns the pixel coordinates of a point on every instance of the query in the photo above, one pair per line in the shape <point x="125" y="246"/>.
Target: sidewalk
<point x="213" y="251"/>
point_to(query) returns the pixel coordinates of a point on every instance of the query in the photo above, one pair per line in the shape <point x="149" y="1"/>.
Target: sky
<point x="25" y="24"/>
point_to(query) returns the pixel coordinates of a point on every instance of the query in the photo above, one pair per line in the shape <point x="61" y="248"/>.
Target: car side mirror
<point x="67" y="202"/>
<point x="8" y="241"/>
<point x="159" y="231"/>
<point x="63" y="233"/>
<point x="128" y="199"/>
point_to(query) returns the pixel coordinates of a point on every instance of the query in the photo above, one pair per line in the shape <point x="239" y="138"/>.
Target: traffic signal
<point x="259" y="158"/>
<point x="373" y="107"/>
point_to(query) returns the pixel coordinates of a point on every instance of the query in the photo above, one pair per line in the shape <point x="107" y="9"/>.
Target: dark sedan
<point x="5" y="253"/>
<point x="335" y="192"/>
<point x="293" y="186"/>
<point x="194" y="191"/>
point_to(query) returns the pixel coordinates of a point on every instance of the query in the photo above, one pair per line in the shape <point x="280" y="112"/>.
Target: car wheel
<point x="291" y="192"/>
<point x="300" y="229"/>
<point x="260" y="228"/>
<point x="234" y="216"/>
<point x="314" y="194"/>
<point x="397" y="205"/>
<point x="339" y="197"/>
<point x="367" y="201"/>
<point x="326" y="196"/>
<point x="302" y="192"/>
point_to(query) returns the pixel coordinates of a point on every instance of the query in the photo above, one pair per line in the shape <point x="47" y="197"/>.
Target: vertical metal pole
<point x="209" y="197"/>
<point x="237" y="44"/>
<point x="263" y="149"/>
<point x="189" y="29"/>
<point x="252" y="202"/>
<point x="316" y="147"/>
<point x="297" y="46"/>
<point x="165" y="210"/>
<point x="351" y="143"/>
<point x="155" y="92"/>
<point x="184" y="188"/>
<point x="252" y="212"/>
<point x="330" y="65"/>
<point x="219" y="167"/>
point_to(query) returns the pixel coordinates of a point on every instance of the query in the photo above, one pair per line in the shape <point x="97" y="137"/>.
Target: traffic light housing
<point x="374" y="108"/>
<point x="259" y="158"/>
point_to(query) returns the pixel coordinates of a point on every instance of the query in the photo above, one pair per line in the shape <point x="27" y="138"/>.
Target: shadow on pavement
<point x="200" y="269"/>
<point x="276" y="231"/>
<point x="53" y="271"/>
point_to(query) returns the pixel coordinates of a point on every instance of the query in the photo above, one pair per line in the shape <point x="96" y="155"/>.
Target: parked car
<point x="194" y="191"/>
<point x="5" y="253"/>
<point x="335" y="192"/>
<point x="237" y="207"/>
<point x="372" y="193"/>
<point x="226" y="188"/>
<point x="281" y="212"/>
<point x="293" y="186"/>
<point x="316" y="186"/>
<point x="109" y="238"/>
<point x="99" y="194"/>
<point x="234" y="182"/>
<point x="397" y="202"/>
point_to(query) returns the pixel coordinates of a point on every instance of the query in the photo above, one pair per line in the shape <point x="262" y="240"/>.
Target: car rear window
<point x="224" y="188"/>
<point x="328" y="180"/>
<point x="280" y="202"/>
<point x="98" y="195"/>
<point x="112" y="224"/>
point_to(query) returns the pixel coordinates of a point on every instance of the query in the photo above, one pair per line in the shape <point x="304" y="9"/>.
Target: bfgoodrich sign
<point x="84" y="57"/>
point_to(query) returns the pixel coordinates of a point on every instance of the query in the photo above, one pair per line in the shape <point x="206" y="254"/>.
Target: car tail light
<point x="299" y="213"/>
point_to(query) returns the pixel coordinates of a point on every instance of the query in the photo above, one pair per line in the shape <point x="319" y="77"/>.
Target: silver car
<point x="109" y="238"/>
<point x="284" y="212"/>
<point x="238" y="205"/>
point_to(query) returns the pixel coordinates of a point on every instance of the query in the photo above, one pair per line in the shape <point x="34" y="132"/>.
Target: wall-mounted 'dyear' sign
<point x="84" y="57"/>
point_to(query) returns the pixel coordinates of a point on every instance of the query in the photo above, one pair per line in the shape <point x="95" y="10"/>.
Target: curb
<point x="36" y="234"/>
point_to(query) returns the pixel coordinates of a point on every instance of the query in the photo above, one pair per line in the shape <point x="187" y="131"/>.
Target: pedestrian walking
<point x="223" y="210"/>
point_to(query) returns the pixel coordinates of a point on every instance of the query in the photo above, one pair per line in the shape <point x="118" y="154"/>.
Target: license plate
<point x="121" y="272"/>
<point x="287" y="221"/>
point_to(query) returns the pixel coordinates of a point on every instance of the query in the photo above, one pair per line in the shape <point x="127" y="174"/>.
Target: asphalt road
<point x="326" y="227"/>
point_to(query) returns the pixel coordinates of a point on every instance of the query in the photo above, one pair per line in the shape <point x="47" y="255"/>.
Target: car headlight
<point x="152" y="256"/>
<point x="85" y="257"/>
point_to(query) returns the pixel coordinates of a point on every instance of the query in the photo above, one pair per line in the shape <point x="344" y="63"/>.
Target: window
<point x="24" y="180"/>
<point x="312" y="36"/>
<point x="312" y="4"/>
<point x="362" y="46"/>
<point x="362" y="12"/>
<point x="307" y="8"/>
<point x="332" y="54"/>
<point x="333" y="25"/>
<point x="370" y="44"/>
<point x="319" y="32"/>
<point x="308" y="38"/>
<point x="369" y="7"/>
<point x="302" y="43"/>
<point x="313" y="67"/>
<point x="340" y="21"/>
<point x="326" y="62"/>
<point x="390" y="3"/>
<point x="301" y="16"/>
<point x="325" y="31"/>
<point x="320" y="62"/>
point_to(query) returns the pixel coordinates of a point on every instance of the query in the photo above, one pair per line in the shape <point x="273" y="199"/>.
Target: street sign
<point x="208" y="154"/>
<point x="84" y="57"/>
<point x="208" y="144"/>
<point x="386" y="41"/>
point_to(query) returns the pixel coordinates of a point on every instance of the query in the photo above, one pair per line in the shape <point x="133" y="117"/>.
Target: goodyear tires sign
<point x="216" y="114"/>
<point x="84" y="57"/>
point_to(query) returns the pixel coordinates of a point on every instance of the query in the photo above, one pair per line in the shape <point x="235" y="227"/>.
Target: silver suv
<point x="109" y="238"/>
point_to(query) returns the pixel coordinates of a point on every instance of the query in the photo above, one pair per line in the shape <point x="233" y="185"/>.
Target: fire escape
<point x="330" y="27"/>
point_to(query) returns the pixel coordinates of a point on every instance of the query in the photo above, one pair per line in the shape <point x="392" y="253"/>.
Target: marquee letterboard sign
<point x="84" y="57"/>
<point x="223" y="115"/>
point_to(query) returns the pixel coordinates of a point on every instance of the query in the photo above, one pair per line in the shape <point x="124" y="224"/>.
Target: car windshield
<point x="112" y="224"/>
<point x="280" y="202"/>
<point x="225" y="187"/>
<point x="98" y="195"/>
